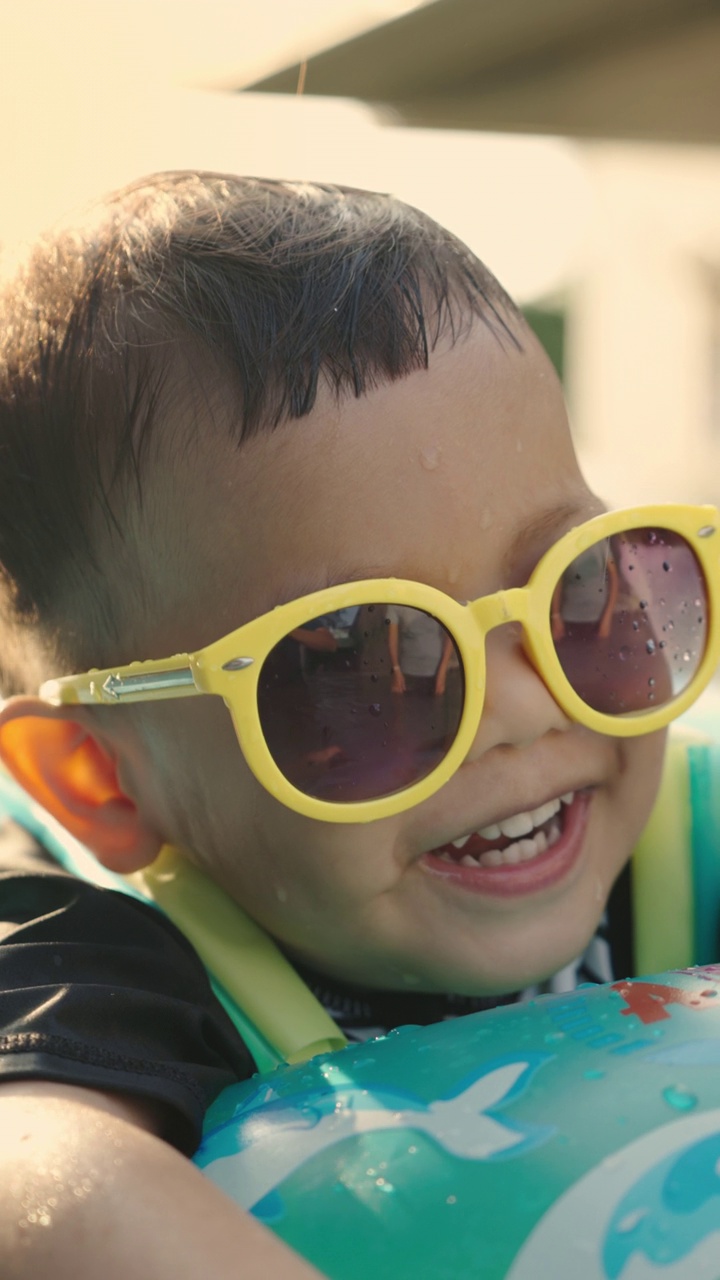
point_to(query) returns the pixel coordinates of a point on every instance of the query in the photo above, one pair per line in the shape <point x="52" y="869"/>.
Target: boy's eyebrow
<point x="319" y="583"/>
<point x="556" y="521"/>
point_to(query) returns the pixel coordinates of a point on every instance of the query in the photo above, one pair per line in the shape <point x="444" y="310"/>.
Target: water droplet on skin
<point x="651" y="681"/>
<point x="430" y="457"/>
<point x="643" y="604"/>
<point x="375" y="709"/>
<point x="666" y="566"/>
<point x="636" y="626"/>
<point x="650" y="646"/>
<point x="623" y="653"/>
<point x="679" y="1097"/>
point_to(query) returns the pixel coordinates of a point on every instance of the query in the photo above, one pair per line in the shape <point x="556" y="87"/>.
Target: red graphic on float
<point x="648" y="1001"/>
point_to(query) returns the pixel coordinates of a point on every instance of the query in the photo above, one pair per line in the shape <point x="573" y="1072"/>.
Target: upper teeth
<point x="520" y="824"/>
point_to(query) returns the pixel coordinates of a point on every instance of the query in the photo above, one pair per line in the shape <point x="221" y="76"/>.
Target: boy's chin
<point x="493" y="975"/>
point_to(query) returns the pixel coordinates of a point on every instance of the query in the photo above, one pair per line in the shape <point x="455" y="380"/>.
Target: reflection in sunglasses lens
<point x="629" y="621"/>
<point x="362" y="702"/>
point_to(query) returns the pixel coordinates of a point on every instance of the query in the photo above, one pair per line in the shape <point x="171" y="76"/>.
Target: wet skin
<point x="460" y="476"/>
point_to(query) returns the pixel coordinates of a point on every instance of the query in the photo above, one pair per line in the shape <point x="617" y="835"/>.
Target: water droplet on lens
<point x="375" y="709"/>
<point x="650" y="646"/>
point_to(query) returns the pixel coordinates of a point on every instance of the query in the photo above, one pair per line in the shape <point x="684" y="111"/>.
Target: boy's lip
<point x="542" y="872"/>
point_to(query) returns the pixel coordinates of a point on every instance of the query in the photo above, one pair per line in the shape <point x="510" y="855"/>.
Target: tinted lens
<point x="629" y="621"/>
<point x="340" y="723"/>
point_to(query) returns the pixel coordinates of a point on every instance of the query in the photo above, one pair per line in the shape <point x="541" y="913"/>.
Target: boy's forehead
<point x="432" y="477"/>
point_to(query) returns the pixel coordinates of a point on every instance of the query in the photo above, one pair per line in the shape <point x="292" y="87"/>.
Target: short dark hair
<point x="278" y="286"/>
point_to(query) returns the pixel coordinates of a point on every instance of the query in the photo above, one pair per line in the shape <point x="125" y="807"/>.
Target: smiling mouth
<point x="519" y="838"/>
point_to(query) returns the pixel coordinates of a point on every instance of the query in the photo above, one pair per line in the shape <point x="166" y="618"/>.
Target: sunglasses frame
<point x="230" y="667"/>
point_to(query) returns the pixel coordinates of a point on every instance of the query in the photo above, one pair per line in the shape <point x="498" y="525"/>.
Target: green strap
<point x="662" y="871"/>
<point x="704" y="765"/>
<point x="278" y="1018"/>
<point x="251" y="971"/>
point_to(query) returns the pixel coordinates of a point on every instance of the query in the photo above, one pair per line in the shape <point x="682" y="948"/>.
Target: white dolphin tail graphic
<point x="273" y="1145"/>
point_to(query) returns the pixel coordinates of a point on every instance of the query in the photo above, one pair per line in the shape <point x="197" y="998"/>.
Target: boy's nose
<point x="519" y="708"/>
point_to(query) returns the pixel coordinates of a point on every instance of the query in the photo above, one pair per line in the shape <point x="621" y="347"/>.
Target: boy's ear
<point x="62" y="766"/>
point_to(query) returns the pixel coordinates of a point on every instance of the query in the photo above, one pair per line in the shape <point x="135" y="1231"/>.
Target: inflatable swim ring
<point x="574" y="1137"/>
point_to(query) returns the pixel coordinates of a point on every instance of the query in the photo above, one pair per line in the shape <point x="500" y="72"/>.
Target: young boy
<point x="219" y="396"/>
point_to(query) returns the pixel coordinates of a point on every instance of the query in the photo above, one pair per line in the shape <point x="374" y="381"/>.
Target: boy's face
<point x="459" y="477"/>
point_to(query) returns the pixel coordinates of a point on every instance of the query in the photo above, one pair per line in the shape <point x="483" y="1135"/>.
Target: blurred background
<point x="574" y="144"/>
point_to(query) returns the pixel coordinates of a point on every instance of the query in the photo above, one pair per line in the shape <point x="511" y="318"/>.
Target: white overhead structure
<point x="641" y="69"/>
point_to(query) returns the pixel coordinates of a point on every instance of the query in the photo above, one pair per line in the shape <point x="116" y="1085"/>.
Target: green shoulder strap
<point x="277" y="1016"/>
<point x="676" y="865"/>
<point x="663" y="915"/>
<point x="275" y="1012"/>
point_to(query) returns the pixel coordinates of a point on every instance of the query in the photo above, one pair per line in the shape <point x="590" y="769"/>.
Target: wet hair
<point x="268" y="290"/>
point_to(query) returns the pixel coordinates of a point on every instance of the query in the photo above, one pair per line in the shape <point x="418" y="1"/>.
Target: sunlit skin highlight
<point x="347" y="493"/>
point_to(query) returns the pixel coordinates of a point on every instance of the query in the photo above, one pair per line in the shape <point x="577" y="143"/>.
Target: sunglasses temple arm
<point x="112" y="688"/>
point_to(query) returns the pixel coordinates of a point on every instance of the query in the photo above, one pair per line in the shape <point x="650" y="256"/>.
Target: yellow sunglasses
<point x="361" y="700"/>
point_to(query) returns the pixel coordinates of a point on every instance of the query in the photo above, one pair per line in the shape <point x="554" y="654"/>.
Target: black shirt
<point x="102" y="991"/>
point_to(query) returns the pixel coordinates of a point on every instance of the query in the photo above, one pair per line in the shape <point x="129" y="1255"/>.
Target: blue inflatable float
<point x="574" y="1137"/>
